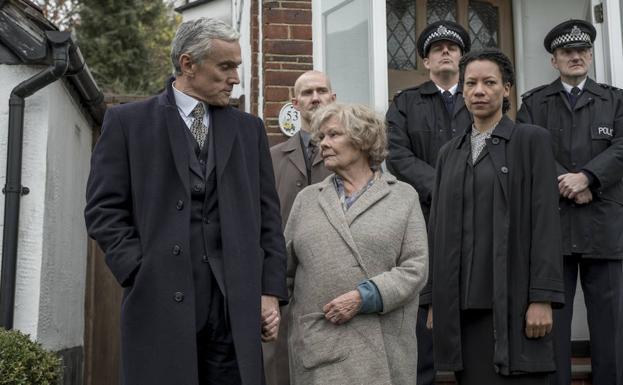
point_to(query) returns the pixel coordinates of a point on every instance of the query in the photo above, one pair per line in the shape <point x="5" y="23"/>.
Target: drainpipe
<point x="61" y="44"/>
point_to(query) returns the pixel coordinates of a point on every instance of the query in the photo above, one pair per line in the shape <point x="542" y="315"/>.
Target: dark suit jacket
<point x="291" y="173"/>
<point x="138" y="210"/>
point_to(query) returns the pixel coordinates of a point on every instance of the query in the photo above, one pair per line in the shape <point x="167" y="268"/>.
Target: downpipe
<point x="61" y="44"/>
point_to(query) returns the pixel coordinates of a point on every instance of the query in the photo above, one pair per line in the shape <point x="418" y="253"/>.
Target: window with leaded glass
<point x="401" y="38"/>
<point x="437" y="10"/>
<point x="483" y="20"/>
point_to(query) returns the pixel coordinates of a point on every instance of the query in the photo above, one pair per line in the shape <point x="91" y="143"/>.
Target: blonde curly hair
<point x="362" y="125"/>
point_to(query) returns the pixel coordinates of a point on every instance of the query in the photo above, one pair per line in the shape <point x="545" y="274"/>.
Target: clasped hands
<point x="270" y="318"/>
<point x="539" y="320"/>
<point x="574" y="186"/>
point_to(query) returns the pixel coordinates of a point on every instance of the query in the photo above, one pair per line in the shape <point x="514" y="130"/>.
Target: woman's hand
<point x="429" y="318"/>
<point x="270" y="318"/>
<point x="538" y="319"/>
<point x="343" y="308"/>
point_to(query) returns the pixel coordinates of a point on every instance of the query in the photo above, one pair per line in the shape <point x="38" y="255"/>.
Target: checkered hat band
<point x="570" y="38"/>
<point x="447" y="34"/>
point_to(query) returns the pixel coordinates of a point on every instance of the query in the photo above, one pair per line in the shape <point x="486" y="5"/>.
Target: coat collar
<point x="224" y="127"/>
<point x="590" y="86"/>
<point x="504" y="130"/>
<point x="330" y="204"/>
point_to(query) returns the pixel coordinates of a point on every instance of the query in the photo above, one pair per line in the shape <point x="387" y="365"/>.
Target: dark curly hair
<point x="496" y="56"/>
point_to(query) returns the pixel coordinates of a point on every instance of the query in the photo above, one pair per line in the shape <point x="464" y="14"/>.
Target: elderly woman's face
<point x="484" y="89"/>
<point x="337" y="149"/>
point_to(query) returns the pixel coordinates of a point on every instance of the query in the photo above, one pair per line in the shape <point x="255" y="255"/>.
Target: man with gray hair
<point x="181" y="198"/>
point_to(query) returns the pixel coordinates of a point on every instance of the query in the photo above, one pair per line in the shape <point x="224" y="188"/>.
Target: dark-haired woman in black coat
<point x="494" y="239"/>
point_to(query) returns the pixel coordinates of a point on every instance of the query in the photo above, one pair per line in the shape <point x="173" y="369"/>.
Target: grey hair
<point x="362" y="125"/>
<point x="194" y="38"/>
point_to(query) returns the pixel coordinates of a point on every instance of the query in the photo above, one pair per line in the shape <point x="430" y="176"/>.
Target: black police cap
<point x="570" y="34"/>
<point x="443" y="30"/>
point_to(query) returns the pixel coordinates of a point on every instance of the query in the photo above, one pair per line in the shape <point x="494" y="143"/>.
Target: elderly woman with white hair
<point x="357" y="259"/>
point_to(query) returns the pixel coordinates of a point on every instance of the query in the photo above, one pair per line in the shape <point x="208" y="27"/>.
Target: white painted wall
<point x="61" y="308"/>
<point x="52" y="248"/>
<point x="219" y="9"/>
<point x="532" y="20"/>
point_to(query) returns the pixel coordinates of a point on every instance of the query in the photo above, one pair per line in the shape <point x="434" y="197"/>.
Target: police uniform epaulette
<point x="532" y="91"/>
<point x="414" y="88"/>
<point x="609" y="87"/>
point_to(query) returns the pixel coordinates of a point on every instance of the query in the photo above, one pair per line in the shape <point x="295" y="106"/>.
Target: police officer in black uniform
<point x="585" y="120"/>
<point x="420" y="120"/>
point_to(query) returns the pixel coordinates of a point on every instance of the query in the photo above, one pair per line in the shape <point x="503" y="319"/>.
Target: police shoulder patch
<point x="527" y="94"/>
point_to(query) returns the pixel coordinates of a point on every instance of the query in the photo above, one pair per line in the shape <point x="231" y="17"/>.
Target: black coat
<point x="527" y="261"/>
<point x="138" y="210"/>
<point x="418" y="125"/>
<point x="589" y="138"/>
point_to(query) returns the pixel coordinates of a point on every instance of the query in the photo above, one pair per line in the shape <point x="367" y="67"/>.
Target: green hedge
<point x="24" y="362"/>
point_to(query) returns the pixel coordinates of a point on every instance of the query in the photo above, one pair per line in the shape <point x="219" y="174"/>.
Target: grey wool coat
<point x="381" y="237"/>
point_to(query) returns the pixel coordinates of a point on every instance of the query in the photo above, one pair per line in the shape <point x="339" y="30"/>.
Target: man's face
<point x="572" y="62"/>
<point x="213" y="79"/>
<point x="443" y="56"/>
<point x="312" y="91"/>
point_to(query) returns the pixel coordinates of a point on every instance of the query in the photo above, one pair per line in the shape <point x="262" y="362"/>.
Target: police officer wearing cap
<point x="420" y="120"/>
<point x="585" y="120"/>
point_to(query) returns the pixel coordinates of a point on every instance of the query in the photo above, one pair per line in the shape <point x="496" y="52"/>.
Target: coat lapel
<point x="375" y="193"/>
<point x="177" y="136"/>
<point x="225" y="130"/>
<point x="293" y="151"/>
<point x="496" y="145"/>
<point x="330" y="204"/>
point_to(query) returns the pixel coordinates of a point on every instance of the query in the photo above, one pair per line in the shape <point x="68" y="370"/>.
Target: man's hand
<point x="270" y="318"/>
<point x="429" y="318"/>
<point x="343" y="308"/>
<point x="570" y="184"/>
<point x="538" y="319"/>
<point x="584" y="197"/>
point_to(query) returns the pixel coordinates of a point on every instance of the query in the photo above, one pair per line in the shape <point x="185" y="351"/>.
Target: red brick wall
<point x="286" y="54"/>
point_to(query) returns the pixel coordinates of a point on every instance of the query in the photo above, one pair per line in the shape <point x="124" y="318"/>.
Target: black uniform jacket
<point x="419" y="125"/>
<point x="590" y="138"/>
<point x="138" y="210"/>
<point x="527" y="260"/>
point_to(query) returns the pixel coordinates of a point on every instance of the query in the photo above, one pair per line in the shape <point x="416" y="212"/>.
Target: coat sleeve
<point x="108" y="212"/>
<point x="271" y="235"/>
<point x="546" y="263"/>
<point x="401" y="160"/>
<point x="607" y="166"/>
<point x="403" y="282"/>
<point x="426" y="296"/>
<point x="290" y="231"/>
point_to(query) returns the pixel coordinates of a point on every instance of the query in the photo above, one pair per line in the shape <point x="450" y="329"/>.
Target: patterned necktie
<point x="574" y="96"/>
<point x="448" y="100"/>
<point x="197" y="128"/>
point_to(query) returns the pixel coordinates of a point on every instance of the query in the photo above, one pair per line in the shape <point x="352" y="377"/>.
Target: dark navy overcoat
<point x="138" y="210"/>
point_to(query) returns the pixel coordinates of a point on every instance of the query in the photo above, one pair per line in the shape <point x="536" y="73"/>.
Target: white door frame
<point x="378" y="49"/>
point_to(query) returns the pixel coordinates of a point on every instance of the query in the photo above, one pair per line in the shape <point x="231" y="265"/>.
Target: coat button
<point x="495" y="140"/>
<point x="177" y="250"/>
<point x="299" y="183"/>
<point x="206" y="220"/>
<point x="178" y="296"/>
<point x="179" y="205"/>
<point x="204" y="258"/>
<point x="201" y="161"/>
<point x="198" y="187"/>
<point x="504" y="170"/>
